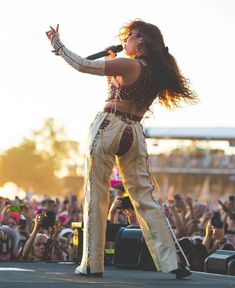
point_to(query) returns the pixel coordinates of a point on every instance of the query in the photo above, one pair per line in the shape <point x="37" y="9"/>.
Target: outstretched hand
<point x="52" y="33"/>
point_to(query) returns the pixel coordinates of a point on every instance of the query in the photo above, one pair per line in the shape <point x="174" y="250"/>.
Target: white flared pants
<point x="133" y="166"/>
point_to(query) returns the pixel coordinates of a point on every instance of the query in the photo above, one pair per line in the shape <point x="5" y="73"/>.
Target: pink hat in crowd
<point x="62" y="217"/>
<point x="115" y="182"/>
<point x="15" y="215"/>
<point x="115" y="178"/>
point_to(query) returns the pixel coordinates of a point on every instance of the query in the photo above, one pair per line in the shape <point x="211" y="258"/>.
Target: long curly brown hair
<point x="171" y="86"/>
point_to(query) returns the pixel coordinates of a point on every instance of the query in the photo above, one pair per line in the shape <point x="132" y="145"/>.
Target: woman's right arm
<point x="109" y="67"/>
<point x="116" y="67"/>
<point x="180" y="229"/>
<point x="29" y="243"/>
<point x="113" y="214"/>
<point x="5" y="213"/>
<point x="208" y="236"/>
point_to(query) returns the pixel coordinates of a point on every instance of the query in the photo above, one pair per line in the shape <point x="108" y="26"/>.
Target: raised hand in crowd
<point x="28" y="247"/>
<point x="214" y="237"/>
<point x="113" y="211"/>
<point x="179" y="226"/>
<point x="5" y="213"/>
<point x="29" y="215"/>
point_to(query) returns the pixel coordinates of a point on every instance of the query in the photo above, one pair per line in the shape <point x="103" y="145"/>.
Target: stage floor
<point x="60" y="275"/>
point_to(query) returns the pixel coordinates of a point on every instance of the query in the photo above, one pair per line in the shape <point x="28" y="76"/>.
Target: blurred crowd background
<point x="43" y="230"/>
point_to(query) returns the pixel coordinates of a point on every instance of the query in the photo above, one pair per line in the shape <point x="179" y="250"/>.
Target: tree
<point x="35" y="163"/>
<point x="54" y="144"/>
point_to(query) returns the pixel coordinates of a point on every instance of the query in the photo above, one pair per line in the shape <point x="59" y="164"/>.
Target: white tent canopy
<point x="200" y="133"/>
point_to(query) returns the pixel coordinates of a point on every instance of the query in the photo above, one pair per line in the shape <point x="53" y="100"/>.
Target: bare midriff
<point x="124" y="106"/>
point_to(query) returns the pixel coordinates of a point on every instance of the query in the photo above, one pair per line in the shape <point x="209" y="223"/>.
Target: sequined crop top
<point x="141" y="92"/>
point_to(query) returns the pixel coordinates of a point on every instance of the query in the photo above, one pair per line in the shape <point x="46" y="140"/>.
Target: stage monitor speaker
<point x="221" y="262"/>
<point x="112" y="230"/>
<point x="231" y="267"/>
<point x="131" y="250"/>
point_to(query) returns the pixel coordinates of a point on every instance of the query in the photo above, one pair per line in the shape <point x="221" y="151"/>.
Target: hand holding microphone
<point x="111" y="55"/>
<point x="110" y="51"/>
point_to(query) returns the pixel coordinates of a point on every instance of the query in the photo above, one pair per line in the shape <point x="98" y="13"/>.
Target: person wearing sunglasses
<point x="148" y="72"/>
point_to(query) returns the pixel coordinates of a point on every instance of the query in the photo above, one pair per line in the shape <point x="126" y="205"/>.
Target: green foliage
<point x="53" y="143"/>
<point x="36" y="161"/>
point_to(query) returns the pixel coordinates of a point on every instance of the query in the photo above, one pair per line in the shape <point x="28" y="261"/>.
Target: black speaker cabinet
<point x="131" y="250"/>
<point x="221" y="262"/>
<point x="231" y="267"/>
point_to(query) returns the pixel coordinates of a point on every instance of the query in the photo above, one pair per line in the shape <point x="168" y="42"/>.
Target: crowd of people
<point x="38" y="231"/>
<point x="42" y="230"/>
<point x="217" y="159"/>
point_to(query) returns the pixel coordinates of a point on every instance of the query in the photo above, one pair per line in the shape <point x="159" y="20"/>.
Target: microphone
<point x="115" y="49"/>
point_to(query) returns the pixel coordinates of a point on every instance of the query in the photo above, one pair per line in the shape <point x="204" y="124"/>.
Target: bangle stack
<point x="57" y="45"/>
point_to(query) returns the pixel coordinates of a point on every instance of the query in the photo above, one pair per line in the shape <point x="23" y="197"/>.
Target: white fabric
<point x="133" y="166"/>
<point x="96" y="67"/>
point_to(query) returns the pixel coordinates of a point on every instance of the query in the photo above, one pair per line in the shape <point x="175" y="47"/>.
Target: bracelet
<point x="57" y="46"/>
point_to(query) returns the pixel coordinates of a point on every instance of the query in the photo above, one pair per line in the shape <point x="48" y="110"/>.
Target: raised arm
<point x="115" y="67"/>
<point x="29" y="243"/>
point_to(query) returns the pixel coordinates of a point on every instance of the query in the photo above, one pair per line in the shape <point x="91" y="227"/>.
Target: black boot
<point x="98" y="274"/>
<point x="181" y="272"/>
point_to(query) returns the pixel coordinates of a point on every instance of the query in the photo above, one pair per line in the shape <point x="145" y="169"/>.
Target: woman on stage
<point x="150" y="72"/>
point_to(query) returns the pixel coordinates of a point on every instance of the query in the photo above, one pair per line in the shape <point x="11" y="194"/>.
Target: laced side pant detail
<point x="106" y="139"/>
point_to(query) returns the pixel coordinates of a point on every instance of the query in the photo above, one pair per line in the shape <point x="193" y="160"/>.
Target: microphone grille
<point x="118" y="48"/>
